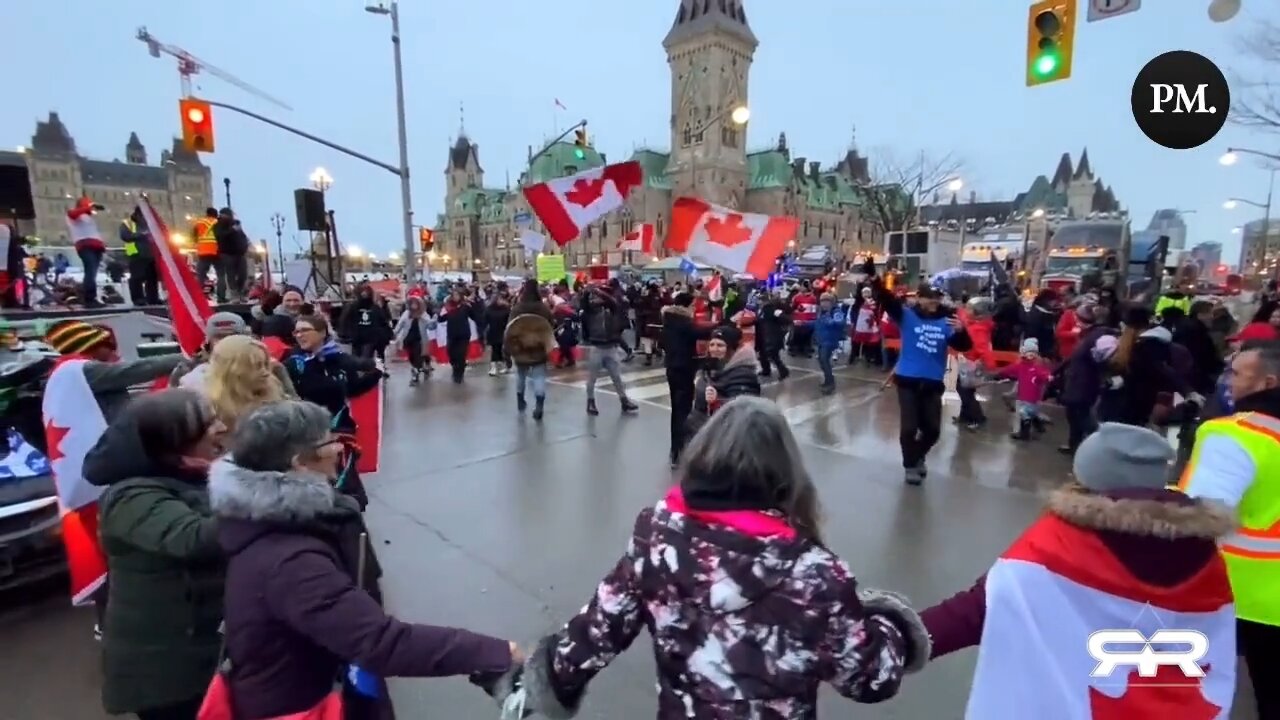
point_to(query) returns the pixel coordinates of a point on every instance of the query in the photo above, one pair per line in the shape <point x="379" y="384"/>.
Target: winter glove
<point x="897" y="609"/>
<point x="1196" y="399"/>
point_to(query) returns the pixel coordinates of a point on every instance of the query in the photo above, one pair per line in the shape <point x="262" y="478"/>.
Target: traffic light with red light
<point x="580" y="143"/>
<point x="197" y="125"/>
<point x="426" y="240"/>
<point x="1051" y="31"/>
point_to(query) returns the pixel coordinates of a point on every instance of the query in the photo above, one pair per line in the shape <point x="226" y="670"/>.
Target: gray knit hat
<point x="224" y="324"/>
<point x="1119" y="457"/>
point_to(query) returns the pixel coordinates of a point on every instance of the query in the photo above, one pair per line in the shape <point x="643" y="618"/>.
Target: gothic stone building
<point x="179" y="187"/>
<point x="709" y="49"/>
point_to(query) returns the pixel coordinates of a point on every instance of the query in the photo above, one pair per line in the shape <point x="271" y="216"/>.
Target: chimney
<point x="973" y="196"/>
<point x="813" y="169"/>
<point x="797" y="167"/>
<point x="530" y="158"/>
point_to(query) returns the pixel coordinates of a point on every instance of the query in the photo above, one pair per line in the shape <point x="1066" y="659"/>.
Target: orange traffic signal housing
<point x="1051" y="34"/>
<point x="426" y="239"/>
<point x="197" y="125"/>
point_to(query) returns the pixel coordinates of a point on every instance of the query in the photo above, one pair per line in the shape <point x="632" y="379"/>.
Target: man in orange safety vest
<point x="206" y="244"/>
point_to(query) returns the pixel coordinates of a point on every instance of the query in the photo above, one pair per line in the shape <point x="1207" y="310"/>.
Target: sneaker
<point x="97" y="632"/>
<point x="912" y="476"/>
<point x="922" y="469"/>
<point x="413" y="379"/>
<point x="493" y="369"/>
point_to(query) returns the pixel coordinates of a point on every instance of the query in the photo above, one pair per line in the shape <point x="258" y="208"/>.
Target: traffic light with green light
<point x="580" y="144"/>
<point x="1051" y="31"/>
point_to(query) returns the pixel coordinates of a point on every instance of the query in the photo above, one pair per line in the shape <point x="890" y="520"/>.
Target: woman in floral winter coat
<point x="749" y="612"/>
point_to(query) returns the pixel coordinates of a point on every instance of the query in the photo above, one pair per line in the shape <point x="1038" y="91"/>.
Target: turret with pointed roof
<point x="696" y="18"/>
<point x="1083" y="171"/>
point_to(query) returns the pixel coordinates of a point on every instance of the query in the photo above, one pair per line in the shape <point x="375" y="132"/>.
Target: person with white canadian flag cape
<point x="567" y="205"/>
<point x="640" y="239"/>
<point x="1117" y="553"/>
<point x="741" y="242"/>
<point x="89" y="385"/>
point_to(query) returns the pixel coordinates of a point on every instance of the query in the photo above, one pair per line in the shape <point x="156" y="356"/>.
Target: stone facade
<point x="180" y="186"/>
<point x="709" y="49"/>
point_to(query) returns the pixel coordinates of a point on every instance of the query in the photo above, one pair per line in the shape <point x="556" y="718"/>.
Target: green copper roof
<point x="1041" y="195"/>
<point x="560" y="160"/>
<point x="654" y="164"/>
<point x="768" y="169"/>
<point x="489" y="203"/>
<point x="831" y="191"/>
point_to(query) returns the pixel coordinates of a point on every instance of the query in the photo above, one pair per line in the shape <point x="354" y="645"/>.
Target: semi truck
<point x="1087" y="254"/>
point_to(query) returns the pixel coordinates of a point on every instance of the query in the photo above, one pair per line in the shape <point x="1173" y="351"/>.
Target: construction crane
<point x="189" y="65"/>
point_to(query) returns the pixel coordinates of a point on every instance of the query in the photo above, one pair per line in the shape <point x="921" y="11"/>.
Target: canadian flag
<point x="742" y="242"/>
<point x="188" y="307"/>
<point x="568" y="204"/>
<point x="73" y="422"/>
<point x="714" y="288"/>
<point x="639" y="239"/>
<point x="1043" y="606"/>
<point x="438" y="345"/>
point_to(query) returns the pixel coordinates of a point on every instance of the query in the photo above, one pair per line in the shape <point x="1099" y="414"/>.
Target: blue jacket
<point x="829" y="328"/>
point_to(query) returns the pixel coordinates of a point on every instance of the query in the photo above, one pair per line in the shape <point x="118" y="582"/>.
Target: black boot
<point x="1023" y="432"/>
<point x="538" y="402"/>
<point x="520" y="403"/>
<point x="591" y="408"/>
<point x="629" y="407"/>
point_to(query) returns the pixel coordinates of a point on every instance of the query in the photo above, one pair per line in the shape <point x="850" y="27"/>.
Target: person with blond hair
<point x="242" y="376"/>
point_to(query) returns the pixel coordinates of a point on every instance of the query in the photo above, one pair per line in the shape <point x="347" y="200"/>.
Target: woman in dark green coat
<point x="165" y="570"/>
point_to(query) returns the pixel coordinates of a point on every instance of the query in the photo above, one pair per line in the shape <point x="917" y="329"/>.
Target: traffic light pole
<point x="303" y="134"/>
<point x="580" y="125"/>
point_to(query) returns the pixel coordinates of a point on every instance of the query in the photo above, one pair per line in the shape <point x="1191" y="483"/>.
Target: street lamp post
<point x="277" y="222"/>
<point x="737" y="114"/>
<point x="406" y="196"/>
<point x="1230" y="157"/>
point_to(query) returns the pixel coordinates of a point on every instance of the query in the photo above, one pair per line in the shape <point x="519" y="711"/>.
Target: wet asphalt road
<point x="484" y="519"/>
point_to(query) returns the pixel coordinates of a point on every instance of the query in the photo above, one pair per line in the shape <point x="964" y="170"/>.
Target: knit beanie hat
<point x="729" y="335"/>
<point x="72" y="337"/>
<point x="1030" y="345"/>
<point x="1119" y="457"/>
<point x="1087" y="314"/>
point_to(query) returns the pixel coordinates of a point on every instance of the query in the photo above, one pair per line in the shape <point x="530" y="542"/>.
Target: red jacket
<point x="1067" y="333"/>
<point x="804" y="307"/>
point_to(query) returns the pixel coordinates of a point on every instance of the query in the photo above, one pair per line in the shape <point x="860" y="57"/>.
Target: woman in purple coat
<point x="296" y="615"/>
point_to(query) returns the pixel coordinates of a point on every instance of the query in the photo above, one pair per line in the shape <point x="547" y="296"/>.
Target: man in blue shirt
<point x="928" y="330"/>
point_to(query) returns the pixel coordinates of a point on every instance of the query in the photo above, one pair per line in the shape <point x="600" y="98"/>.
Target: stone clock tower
<point x="709" y="48"/>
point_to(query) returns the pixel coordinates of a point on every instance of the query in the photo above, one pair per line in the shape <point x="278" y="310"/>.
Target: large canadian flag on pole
<point x="567" y="205"/>
<point x="188" y="307"/>
<point x="640" y="239"/>
<point x="742" y="242"/>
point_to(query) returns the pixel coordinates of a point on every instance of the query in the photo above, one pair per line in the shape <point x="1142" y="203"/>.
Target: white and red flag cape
<point x="438" y="345"/>
<point x="742" y="242"/>
<point x="73" y="422"/>
<point x="567" y="205"/>
<point x="640" y="239"/>
<point x="1058" y="585"/>
<point x="188" y="307"/>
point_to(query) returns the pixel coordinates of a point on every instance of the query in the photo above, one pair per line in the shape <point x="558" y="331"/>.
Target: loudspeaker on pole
<point x="309" y="206"/>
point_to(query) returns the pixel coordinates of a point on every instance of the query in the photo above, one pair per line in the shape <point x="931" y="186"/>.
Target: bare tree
<point x="898" y="189"/>
<point x="1256" y="102"/>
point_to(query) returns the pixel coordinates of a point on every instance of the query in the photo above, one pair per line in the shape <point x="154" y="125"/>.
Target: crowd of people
<point x="241" y="573"/>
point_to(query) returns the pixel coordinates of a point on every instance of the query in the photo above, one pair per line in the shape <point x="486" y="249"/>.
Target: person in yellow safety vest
<point x="1174" y="298"/>
<point x="206" y="244"/>
<point x="144" y="286"/>
<point x="1236" y="460"/>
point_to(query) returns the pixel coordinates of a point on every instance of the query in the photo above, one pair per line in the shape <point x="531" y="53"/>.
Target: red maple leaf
<point x="728" y="232"/>
<point x="585" y="192"/>
<point x="53" y="435"/>
<point x="1169" y="695"/>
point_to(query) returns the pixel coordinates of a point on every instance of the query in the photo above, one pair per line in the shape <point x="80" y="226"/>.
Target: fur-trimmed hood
<point x="1162" y="514"/>
<point x="253" y="503"/>
<point x="677" y="310"/>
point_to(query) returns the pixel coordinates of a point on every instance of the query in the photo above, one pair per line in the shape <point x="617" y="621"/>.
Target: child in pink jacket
<point x="1032" y="374"/>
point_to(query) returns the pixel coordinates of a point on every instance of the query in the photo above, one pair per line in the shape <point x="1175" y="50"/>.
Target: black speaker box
<point x="309" y="204"/>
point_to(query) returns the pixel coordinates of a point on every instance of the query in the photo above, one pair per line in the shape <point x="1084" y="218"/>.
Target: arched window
<point x="687" y="139"/>
<point x="604" y="229"/>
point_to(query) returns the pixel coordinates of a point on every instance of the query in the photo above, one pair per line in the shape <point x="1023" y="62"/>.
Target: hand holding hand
<point x="711" y="395"/>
